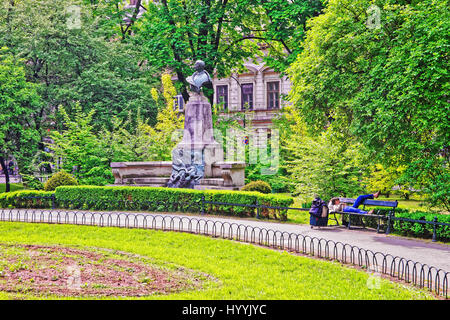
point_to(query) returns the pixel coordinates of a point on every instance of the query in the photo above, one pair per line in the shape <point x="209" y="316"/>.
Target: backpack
<point x="319" y="208"/>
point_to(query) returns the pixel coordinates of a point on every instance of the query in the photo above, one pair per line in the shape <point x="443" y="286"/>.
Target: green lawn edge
<point x="243" y="272"/>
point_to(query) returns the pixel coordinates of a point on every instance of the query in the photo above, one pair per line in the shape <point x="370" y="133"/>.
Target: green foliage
<point x="168" y="200"/>
<point x="328" y="165"/>
<point x="419" y="230"/>
<point x="26" y="199"/>
<point x="387" y="84"/>
<point x="61" y="178"/>
<point x="18" y="100"/>
<point x="259" y="185"/>
<point x="279" y="181"/>
<point x="86" y="64"/>
<point x="81" y="150"/>
<point x="31" y="182"/>
<point x="285" y="29"/>
<point x="224" y="34"/>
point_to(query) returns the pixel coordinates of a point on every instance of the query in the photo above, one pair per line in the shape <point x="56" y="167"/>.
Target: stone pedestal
<point x="197" y="161"/>
<point x="198" y="134"/>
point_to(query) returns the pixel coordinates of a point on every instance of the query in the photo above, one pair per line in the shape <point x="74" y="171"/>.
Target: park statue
<point x="185" y="173"/>
<point x="199" y="78"/>
<point x="188" y="157"/>
<point x="197" y="159"/>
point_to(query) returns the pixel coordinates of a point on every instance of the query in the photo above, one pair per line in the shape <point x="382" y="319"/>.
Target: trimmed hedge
<point x="422" y="230"/>
<point x="171" y="200"/>
<point x="411" y="229"/>
<point x="23" y="199"/>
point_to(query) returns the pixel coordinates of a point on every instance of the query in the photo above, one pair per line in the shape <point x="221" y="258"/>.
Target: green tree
<point x="327" y="165"/>
<point x="82" y="62"/>
<point x="223" y="33"/>
<point x="79" y="150"/>
<point x="18" y="102"/>
<point x="387" y="82"/>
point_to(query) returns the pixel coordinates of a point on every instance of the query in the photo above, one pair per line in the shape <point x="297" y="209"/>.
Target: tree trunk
<point x="5" y="170"/>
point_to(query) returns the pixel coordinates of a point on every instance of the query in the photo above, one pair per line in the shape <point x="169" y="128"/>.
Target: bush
<point x="259" y="185"/>
<point x="422" y="230"/>
<point x="170" y="200"/>
<point x="26" y="199"/>
<point x="61" y="178"/>
<point x="31" y="182"/>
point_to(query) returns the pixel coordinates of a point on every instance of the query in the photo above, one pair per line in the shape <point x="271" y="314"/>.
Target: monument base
<point x="224" y="175"/>
<point x="197" y="161"/>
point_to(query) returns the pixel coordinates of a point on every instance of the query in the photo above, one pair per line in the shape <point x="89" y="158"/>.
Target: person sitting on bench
<point x="336" y="205"/>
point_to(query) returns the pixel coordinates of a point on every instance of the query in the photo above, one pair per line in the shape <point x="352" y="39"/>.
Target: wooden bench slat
<point x="381" y="203"/>
<point x="370" y="202"/>
<point x="367" y="202"/>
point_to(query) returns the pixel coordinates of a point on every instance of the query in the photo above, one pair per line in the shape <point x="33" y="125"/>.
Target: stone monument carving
<point x="197" y="161"/>
<point x="195" y="154"/>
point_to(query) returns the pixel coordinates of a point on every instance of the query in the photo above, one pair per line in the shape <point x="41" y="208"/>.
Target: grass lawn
<point x="14" y="187"/>
<point x="241" y="271"/>
<point x="297" y="216"/>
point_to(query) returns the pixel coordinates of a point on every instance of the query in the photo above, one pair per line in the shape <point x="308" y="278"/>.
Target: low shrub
<point x="170" y="200"/>
<point x="61" y="178"/>
<point x="422" y="230"/>
<point x="26" y="199"/>
<point x="259" y="186"/>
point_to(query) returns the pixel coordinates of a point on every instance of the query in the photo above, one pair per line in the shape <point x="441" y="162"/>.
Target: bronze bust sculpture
<point x="200" y="77"/>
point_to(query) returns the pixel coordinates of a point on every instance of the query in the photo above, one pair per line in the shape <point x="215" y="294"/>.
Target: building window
<point x="247" y="95"/>
<point x="222" y="96"/>
<point x="273" y="95"/>
<point x="178" y="103"/>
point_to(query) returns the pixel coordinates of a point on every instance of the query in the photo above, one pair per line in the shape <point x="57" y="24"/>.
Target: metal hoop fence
<point x="421" y="275"/>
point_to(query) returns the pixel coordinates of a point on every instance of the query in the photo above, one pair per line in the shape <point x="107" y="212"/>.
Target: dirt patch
<point x="64" y="271"/>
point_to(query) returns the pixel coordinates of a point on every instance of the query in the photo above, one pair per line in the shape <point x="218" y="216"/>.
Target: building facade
<point x="260" y="90"/>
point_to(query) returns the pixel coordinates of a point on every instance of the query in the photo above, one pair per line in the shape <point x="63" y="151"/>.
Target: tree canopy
<point x="18" y="102"/>
<point x="223" y="33"/>
<point x="388" y="83"/>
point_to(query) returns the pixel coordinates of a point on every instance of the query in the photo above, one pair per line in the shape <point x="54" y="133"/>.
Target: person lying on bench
<point x="336" y="205"/>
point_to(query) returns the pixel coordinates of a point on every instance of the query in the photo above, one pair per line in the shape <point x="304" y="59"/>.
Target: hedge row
<point x="171" y="200"/>
<point x="26" y="199"/>
<point x="151" y="199"/>
<point x="412" y="229"/>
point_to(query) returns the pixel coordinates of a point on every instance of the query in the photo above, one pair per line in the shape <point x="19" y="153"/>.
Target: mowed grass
<point x="13" y="186"/>
<point x="241" y="271"/>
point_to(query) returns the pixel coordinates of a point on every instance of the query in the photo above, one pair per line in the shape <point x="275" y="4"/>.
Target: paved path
<point x="425" y="252"/>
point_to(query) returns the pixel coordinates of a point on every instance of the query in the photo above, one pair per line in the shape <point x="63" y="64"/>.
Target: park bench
<point x="369" y="202"/>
